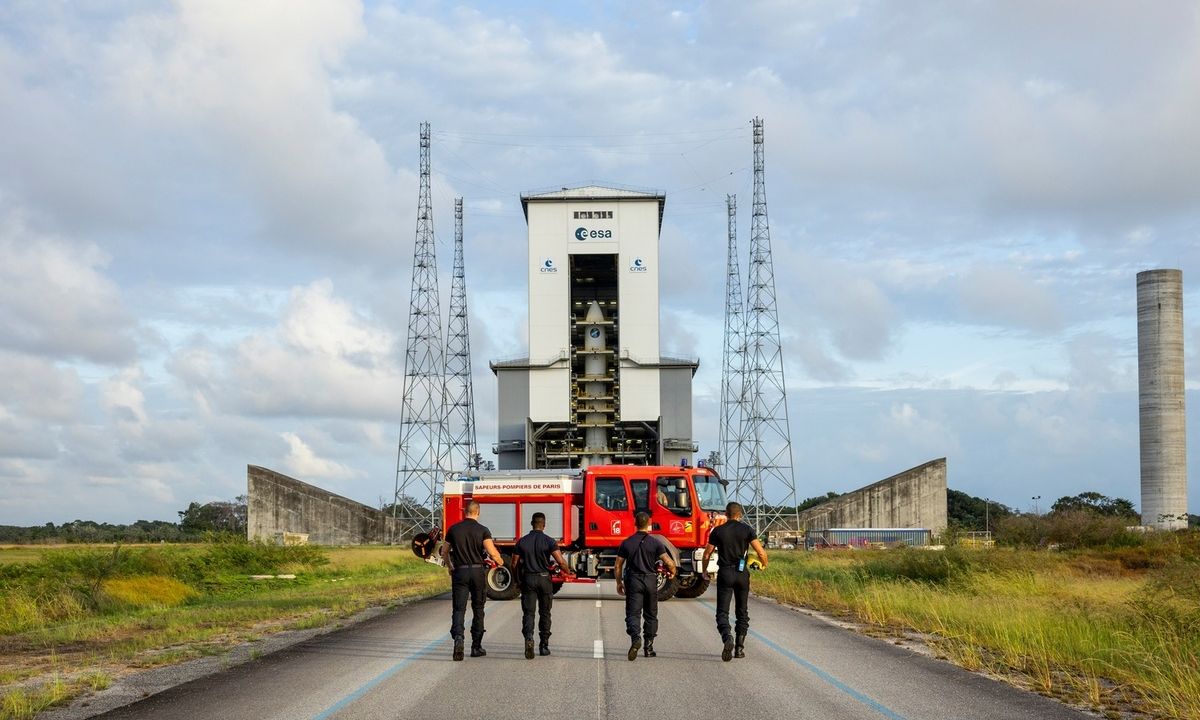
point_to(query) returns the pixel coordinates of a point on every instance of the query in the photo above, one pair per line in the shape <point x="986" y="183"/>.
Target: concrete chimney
<point x="1161" y="398"/>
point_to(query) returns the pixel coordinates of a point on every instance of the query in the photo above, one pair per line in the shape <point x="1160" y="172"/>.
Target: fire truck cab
<point x="590" y="512"/>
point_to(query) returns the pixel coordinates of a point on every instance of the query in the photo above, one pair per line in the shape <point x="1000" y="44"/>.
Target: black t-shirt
<point x="535" y="550"/>
<point x="466" y="542"/>
<point x="731" y="540"/>
<point x="641" y="551"/>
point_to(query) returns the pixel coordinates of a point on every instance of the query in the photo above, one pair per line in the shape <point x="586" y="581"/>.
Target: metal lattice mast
<point x="733" y="365"/>
<point x="421" y="457"/>
<point x="460" y="397"/>
<point x="767" y="456"/>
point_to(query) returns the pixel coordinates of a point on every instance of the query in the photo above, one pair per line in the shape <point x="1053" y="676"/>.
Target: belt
<point x="646" y="574"/>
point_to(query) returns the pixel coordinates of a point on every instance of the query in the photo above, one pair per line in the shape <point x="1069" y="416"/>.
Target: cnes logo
<point x="585" y="234"/>
<point x="638" y="265"/>
<point x="548" y="266"/>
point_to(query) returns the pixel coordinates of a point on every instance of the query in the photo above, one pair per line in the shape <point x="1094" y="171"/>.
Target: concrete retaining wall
<point x="915" y="498"/>
<point x="279" y="504"/>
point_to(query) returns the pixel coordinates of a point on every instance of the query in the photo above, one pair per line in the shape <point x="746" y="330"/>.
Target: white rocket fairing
<point x="595" y="338"/>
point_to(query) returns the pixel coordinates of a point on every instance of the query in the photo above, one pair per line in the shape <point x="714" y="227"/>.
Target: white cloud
<point x="302" y="462"/>
<point x="38" y="388"/>
<point x="125" y="402"/>
<point x="22" y="437"/>
<point x="252" y="88"/>
<point x="56" y="299"/>
<point x="324" y="359"/>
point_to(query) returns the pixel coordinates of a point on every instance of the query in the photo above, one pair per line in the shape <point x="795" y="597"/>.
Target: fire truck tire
<point x="501" y="583"/>
<point x="667" y="587"/>
<point x="695" y="588"/>
<point x="556" y="587"/>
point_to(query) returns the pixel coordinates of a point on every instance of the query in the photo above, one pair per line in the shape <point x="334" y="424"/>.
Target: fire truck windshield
<point x="710" y="492"/>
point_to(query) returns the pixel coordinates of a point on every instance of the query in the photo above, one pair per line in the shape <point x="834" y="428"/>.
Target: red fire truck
<point x="589" y="512"/>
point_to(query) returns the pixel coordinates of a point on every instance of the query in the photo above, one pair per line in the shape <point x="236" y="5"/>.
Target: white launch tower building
<point x="594" y="389"/>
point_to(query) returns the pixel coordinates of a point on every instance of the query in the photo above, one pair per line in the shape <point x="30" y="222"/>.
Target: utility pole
<point x="421" y="456"/>
<point x="767" y="458"/>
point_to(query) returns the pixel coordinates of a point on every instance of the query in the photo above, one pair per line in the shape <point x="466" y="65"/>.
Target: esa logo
<point x="584" y="234"/>
<point x="594" y="333"/>
<point x="547" y="266"/>
<point x="638" y="265"/>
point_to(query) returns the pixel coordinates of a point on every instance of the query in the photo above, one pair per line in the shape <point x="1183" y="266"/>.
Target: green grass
<point x="1092" y="627"/>
<point x="73" y="620"/>
<point x="20" y="553"/>
<point x="23" y="703"/>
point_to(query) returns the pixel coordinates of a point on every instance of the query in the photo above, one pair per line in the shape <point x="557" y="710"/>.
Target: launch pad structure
<point x="594" y="388"/>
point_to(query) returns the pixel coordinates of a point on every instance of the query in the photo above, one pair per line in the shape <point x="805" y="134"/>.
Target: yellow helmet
<point x="754" y="563"/>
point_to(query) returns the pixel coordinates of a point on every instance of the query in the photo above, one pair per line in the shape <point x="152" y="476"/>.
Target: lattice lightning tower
<point x="733" y="366"/>
<point x="767" y="456"/>
<point x="460" y="397"/>
<point x="421" y="457"/>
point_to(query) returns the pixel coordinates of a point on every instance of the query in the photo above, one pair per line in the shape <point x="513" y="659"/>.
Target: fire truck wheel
<point x="501" y="584"/>
<point x="556" y="587"/>
<point x="695" y="587"/>
<point x="667" y="587"/>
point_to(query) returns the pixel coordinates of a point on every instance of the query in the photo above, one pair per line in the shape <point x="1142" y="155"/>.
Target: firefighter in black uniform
<point x="468" y="544"/>
<point x="533" y="555"/>
<point x="637" y="580"/>
<point x="731" y="541"/>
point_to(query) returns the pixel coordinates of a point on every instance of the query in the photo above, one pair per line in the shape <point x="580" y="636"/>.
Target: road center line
<point x="598" y="649"/>
<point x="865" y="700"/>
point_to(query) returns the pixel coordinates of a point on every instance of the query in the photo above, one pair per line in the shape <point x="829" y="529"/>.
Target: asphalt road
<point x="398" y="666"/>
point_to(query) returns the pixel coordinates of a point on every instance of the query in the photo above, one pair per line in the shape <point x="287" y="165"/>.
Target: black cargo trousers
<point x="641" y="601"/>
<point x="468" y="581"/>
<point x="537" y="593"/>
<point x="733" y="585"/>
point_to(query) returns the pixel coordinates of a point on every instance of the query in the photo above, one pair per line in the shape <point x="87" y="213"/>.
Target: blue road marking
<point x="368" y="685"/>
<point x="865" y="700"/>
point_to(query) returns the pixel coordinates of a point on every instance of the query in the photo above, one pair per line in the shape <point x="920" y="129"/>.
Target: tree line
<point x="197" y="522"/>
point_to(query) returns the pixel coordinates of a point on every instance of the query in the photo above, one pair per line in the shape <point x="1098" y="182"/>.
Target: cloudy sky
<point x="207" y="210"/>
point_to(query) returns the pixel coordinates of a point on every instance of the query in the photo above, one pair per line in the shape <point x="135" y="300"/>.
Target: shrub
<point x="1071" y="529"/>
<point x="236" y="555"/>
<point x="930" y="566"/>
<point x="37" y="605"/>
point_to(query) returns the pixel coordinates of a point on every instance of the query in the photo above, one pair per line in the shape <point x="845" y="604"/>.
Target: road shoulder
<point x="137" y="686"/>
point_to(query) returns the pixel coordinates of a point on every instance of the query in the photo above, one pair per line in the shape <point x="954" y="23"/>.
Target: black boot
<point x="544" y="649"/>
<point x="727" y="651"/>
<point x="458" y="649"/>
<point x="633" y="649"/>
<point x="529" y="649"/>
<point x="649" y="651"/>
<point x="739" y="650"/>
<point x="478" y="651"/>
